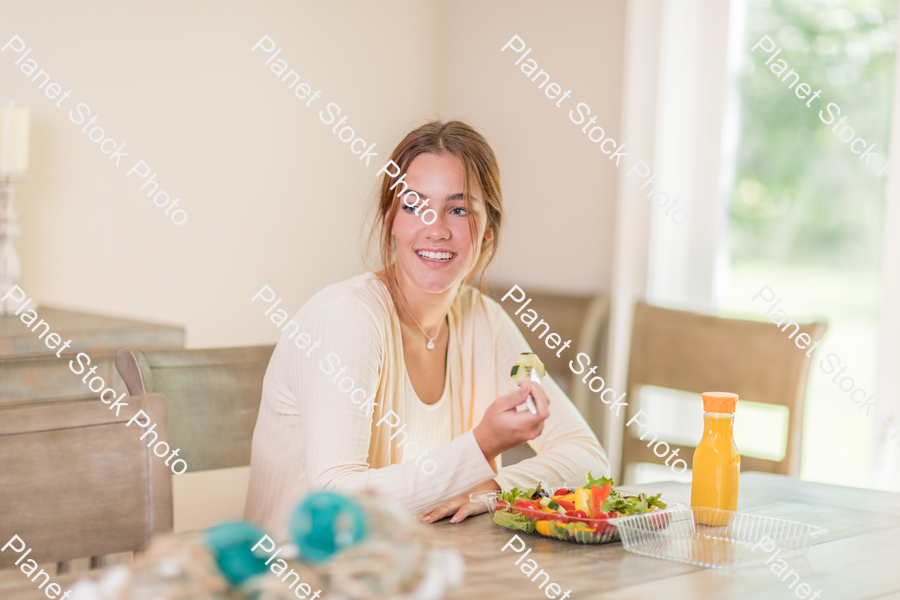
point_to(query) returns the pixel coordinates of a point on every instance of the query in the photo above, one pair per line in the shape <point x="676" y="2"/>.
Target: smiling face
<point x="437" y="257"/>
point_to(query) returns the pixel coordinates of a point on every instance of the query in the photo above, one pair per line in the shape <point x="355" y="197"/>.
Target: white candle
<point x="15" y="124"/>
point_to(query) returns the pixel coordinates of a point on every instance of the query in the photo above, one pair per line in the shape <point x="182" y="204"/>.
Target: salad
<point x="581" y="514"/>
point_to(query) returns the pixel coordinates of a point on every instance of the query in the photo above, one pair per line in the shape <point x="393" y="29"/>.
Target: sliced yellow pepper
<point x="544" y="528"/>
<point x="583" y="500"/>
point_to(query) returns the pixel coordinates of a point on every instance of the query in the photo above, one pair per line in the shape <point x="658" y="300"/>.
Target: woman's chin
<point x="435" y="281"/>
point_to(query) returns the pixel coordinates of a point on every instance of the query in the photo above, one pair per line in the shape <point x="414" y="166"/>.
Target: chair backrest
<point x="77" y="482"/>
<point x="699" y="353"/>
<point x="212" y="396"/>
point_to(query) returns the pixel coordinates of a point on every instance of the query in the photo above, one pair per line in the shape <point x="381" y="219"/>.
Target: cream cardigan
<point x="311" y="436"/>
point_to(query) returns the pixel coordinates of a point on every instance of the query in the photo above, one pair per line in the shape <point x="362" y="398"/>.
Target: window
<point x="805" y="215"/>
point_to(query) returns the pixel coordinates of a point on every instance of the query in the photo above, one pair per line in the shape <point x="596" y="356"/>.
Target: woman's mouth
<point x="436" y="256"/>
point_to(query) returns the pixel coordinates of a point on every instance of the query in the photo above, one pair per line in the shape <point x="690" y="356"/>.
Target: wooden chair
<point x="698" y="353"/>
<point x="212" y="396"/>
<point x="76" y="482"/>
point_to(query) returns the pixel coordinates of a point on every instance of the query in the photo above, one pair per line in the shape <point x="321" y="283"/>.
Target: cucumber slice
<point x="527" y="361"/>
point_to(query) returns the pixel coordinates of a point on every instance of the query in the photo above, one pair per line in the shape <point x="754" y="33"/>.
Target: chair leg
<point x="63" y="567"/>
<point x="96" y="562"/>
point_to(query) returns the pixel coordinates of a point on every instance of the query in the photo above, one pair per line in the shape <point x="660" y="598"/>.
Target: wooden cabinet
<point x="32" y="372"/>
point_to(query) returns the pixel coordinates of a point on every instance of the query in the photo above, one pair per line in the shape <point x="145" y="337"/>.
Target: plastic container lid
<point x="719" y="402"/>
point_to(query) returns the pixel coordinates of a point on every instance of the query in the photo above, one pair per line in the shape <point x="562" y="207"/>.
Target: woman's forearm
<point x="461" y="467"/>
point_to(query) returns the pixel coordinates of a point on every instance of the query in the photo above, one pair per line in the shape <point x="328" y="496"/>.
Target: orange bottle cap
<point x="719" y="402"/>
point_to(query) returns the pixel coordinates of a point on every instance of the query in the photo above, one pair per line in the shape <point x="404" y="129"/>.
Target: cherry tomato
<point x="561" y="492"/>
<point x="502" y="504"/>
<point x="598" y="522"/>
<point x="600" y="526"/>
<point x="559" y="518"/>
<point x="578" y="514"/>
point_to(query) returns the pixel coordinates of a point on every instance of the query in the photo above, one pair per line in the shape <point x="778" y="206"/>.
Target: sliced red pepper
<point x="598" y="497"/>
<point x="566" y="504"/>
<point x="526" y="504"/>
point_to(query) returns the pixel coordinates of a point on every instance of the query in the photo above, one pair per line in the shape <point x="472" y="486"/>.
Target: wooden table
<point x="859" y="557"/>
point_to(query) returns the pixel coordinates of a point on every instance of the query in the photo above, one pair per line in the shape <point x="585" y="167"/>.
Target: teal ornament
<point x="231" y="545"/>
<point x="326" y="523"/>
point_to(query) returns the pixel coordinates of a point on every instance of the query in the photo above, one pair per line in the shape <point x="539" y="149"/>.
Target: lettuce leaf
<point x="634" y="505"/>
<point x="514" y="521"/>
<point x="638" y="505"/>
<point x="589" y="481"/>
<point x="615" y="503"/>
<point x="562" y="532"/>
<point x="514" y="494"/>
<point x="655" y="501"/>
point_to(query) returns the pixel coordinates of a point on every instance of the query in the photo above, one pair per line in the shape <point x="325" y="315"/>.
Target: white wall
<point x="559" y="189"/>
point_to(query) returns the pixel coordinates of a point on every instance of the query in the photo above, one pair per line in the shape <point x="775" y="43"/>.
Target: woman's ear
<point x="489" y="232"/>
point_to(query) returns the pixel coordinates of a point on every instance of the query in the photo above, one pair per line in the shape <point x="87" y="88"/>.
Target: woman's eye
<point x="459" y="211"/>
<point x="407" y="208"/>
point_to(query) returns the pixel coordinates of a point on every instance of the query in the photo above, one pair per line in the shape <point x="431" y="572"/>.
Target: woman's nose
<point x="435" y="224"/>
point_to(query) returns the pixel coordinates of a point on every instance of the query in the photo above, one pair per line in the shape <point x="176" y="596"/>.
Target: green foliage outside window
<point x="800" y="195"/>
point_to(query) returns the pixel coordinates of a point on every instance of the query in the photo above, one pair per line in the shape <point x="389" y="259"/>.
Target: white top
<point x="343" y="351"/>
<point x="429" y="426"/>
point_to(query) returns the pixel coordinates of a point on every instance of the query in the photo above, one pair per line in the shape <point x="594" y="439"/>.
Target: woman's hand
<point x="459" y="507"/>
<point x="503" y="428"/>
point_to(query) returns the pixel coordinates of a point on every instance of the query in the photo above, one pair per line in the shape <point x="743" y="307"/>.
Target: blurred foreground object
<point x="361" y="548"/>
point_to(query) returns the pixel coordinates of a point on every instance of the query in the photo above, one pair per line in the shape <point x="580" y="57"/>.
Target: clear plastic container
<point x="584" y="531"/>
<point x="680" y="535"/>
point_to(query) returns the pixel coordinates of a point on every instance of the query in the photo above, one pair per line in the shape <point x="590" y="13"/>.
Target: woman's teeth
<point x="440" y="256"/>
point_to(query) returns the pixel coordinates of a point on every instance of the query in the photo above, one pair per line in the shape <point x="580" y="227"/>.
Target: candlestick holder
<point x="10" y="265"/>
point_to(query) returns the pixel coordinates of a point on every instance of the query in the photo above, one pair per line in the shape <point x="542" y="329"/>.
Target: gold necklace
<point x="430" y="344"/>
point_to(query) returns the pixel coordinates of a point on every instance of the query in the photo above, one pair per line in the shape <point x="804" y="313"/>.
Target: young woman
<point x="400" y="380"/>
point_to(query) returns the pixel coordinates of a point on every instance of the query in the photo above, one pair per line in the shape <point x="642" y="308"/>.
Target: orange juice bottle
<point x="717" y="462"/>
